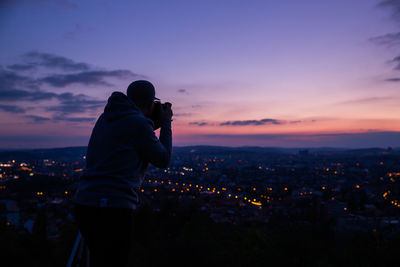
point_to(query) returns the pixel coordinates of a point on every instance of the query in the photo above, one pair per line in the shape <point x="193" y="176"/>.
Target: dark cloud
<point x="182" y="114"/>
<point x="10" y="3"/>
<point x="82" y="73"/>
<point x="59" y="117"/>
<point x="87" y="78"/>
<point x="37" y="118"/>
<point x="393" y="5"/>
<point x="70" y="98"/>
<point x="393" y="80"/>
<point x="70" y="103"/>
<point x="248" y="122"/>
<point x="23" y="95"/>
<point x="17" y="86"/>
<point x="387" y="39"/>
<point x="12" y="109"/>
<point x="343" y="140"/>
<point x="10" y="80"/>
<point x="37" y="3"/>
<point x="366" y="100"/>
<point x="251" y="122"/>
<point x="390" y="39"/>
<point x="73" y="119"/>
<point x="21" y="67"/>
<point x="183" y="91"/>
<point x="52" y="61"/>
<point x="396" y="60"/>
<point x="196" y="123"/>
<point x="77" y="30"/>
<point x="66" y="4"/>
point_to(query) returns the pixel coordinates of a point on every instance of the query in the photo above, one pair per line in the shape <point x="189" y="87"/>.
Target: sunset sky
<point x="267" y="73"/>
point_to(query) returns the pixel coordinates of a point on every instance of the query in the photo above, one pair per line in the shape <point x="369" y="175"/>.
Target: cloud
<point x="251" y="122"/>
<point x="73" y="119"/>
<point x="37" y="3"/>
<point x="87" y="77"/>
<point x="393" y="80"/>
<point x="17" y="86"/>
<point x="367" y="100"/>
<point x="23" y="95"/>
<point x="83" y="73"/>
<point x="21" y="67"/>
<point x="183" y="91"/>
<point x="196" y="123"/>
<point x="10" y="80"/>
<point x="390" y="39"/>
<point x="343" y="140"/>
<point x="12" y="109"/>
<point x="78" y="30"/>
<point x="11" y="84"/>
<point x="37" y="118"/>
<point x="66" y="4"/>
<point x="397" y="61"/>
<point x="70" y="103"/>
<point x="387" y="39"/>
<point x="182" y="114"/>
<point x="394" y="5"/>
<point x="38" y="59"/>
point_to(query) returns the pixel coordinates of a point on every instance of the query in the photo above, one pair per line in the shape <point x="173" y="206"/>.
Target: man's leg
<point x="108" y="234"/>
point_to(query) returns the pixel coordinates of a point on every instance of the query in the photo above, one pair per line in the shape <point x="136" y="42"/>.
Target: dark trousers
<point x="108" y="233"/>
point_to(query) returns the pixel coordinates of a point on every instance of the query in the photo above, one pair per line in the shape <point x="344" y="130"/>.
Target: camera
<point x="156" y="114"/>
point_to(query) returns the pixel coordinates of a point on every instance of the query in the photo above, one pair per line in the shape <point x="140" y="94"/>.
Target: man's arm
<point x="157" y="151"/>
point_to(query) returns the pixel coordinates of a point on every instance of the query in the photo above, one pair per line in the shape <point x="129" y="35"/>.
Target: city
<point x="333" y="192"/>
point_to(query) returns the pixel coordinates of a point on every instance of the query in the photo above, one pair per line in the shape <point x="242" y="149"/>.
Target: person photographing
<point x="121" y="146"/>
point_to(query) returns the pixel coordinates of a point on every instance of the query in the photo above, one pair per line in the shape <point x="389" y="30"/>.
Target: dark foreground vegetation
<point x="191" y="238"/>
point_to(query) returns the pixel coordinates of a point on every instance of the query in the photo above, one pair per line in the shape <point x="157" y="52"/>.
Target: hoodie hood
<point x="119" y="106"/>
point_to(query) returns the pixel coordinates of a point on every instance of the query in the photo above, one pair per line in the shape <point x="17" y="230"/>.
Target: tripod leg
<point x="74" y="249"/>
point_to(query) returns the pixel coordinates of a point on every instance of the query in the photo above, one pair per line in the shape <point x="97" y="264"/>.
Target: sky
<point x="281" y="73"/>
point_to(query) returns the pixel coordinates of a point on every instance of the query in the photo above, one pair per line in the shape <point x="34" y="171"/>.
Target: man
<point x="122" y="144"/>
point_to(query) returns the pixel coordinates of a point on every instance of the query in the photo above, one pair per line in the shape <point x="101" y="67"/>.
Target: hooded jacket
<point x="121" y="145"/>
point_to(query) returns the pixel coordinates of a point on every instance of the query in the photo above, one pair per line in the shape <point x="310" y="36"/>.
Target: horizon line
<point x="226" y="146"/>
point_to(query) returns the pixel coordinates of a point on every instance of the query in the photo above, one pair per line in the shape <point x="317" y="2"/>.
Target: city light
<point x="231" y="194"/>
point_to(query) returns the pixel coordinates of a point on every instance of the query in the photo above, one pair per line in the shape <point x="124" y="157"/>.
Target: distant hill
<point x="64" y="153"/>
<point x="73" y="153"/>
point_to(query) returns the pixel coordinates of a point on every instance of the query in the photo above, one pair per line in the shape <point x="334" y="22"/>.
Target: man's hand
<point x="166" y="111"/>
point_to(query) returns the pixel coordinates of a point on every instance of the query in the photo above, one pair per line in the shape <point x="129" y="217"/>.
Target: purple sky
<point x="268" y="73"/>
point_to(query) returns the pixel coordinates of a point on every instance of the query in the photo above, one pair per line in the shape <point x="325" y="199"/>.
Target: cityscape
<point x="340" y="192"/>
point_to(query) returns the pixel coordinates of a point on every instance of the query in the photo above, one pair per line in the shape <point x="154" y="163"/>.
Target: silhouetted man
<point x="122" y="144"/>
